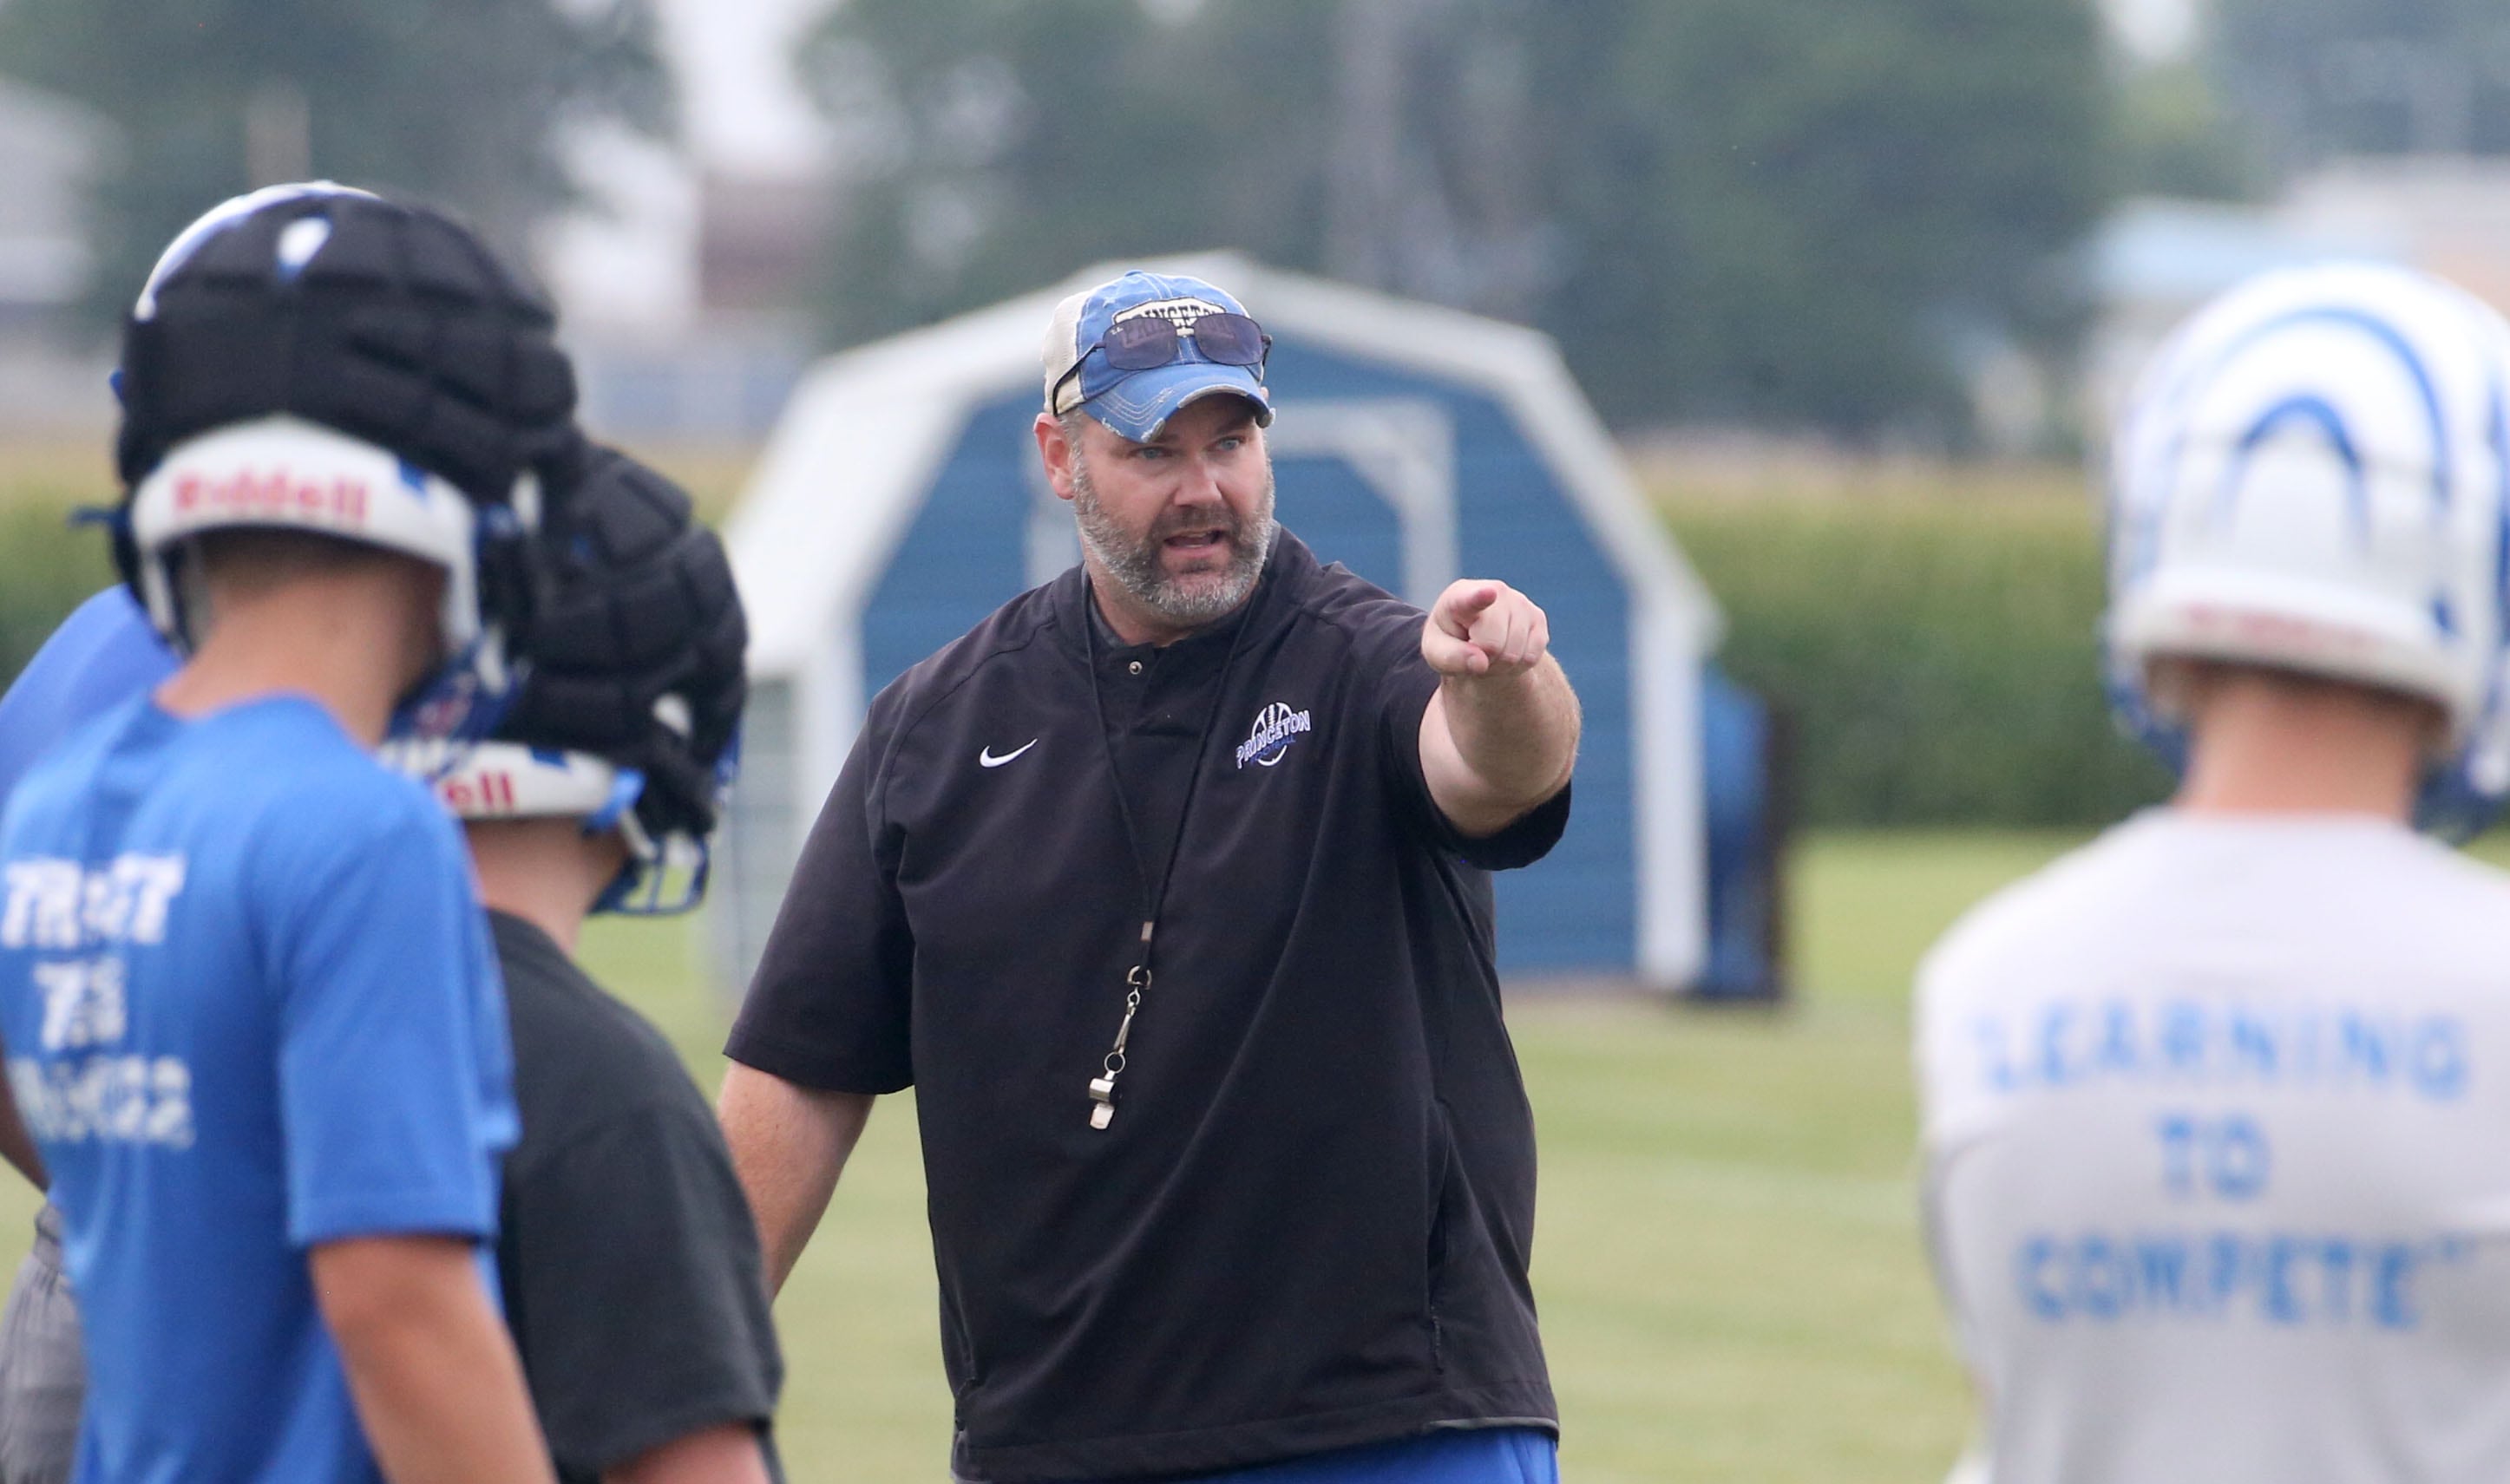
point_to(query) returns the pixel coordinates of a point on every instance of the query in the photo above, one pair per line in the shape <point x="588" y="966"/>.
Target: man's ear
<point x="1057" y="453"/>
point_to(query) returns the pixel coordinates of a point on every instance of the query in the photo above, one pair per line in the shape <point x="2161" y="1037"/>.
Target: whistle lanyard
<point x="1154" y="888"/>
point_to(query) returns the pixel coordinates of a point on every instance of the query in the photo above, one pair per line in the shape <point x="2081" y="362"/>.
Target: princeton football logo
<point x="1275" y="726"/>
<point x="1173" y="311"/>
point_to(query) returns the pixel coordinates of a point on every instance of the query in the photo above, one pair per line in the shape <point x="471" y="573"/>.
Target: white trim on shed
<point x="831" y="500"/>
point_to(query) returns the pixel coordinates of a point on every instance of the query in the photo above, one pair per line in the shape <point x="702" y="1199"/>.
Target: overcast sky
<point x="2154" y="29"/>
<point x="743" y="112"/>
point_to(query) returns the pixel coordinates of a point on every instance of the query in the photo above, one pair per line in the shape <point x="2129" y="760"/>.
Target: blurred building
<point x="2449" y="214"/>
<point x="2157" y="260"/>
<point x="51" y="369"/>
<point x="687" y="289"/>
<point x="684" y="299"/>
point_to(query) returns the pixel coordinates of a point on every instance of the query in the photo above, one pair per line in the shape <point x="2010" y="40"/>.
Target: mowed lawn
<point x="1728" y="1260"/>
<point x="1727" y="1257"/>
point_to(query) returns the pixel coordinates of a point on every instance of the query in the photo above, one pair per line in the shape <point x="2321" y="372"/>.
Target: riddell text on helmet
<point x="489" y="791"/>
<point x="2251" y="627"/>
<point x="336" y="501"/>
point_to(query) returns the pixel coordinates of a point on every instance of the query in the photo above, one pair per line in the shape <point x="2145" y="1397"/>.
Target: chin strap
<point x="663" y="876"/>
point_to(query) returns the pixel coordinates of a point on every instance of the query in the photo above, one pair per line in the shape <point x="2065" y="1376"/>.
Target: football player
<point x="251" y="1018"/>
<point x="630" y="1264"/>
<point x="2217" y="1109"/>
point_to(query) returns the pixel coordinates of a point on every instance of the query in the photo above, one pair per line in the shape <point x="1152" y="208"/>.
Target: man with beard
<point x="1165" y="888"/>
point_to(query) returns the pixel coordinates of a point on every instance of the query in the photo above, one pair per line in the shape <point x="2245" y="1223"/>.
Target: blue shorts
<point x="1466" y="1455"/>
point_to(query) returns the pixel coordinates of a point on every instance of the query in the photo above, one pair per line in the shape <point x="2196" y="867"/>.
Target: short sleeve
<point x="101" y="657"/>
<point x="633" y="1279"/>
<point x="828" y="1006"/>
<point x="1389" y="656"/>
<point x="395" y="1075"/>
<point x="1954" y="1070"/>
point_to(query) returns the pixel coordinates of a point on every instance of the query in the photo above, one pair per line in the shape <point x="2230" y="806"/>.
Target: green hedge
<point x="1936" y="656"/>
<point x="47" y="566"/>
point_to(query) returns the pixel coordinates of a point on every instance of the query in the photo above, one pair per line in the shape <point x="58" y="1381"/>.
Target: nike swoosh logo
<point x="985" y="757"/>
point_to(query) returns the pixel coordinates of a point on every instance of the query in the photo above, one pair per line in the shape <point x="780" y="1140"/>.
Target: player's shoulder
<point x="2443" y="898"/>
<point x="571" y="1017"/>
<point x="61" y="777"/>
<point x="582" y="1058"/>
<point x="299" y="749"/>
<point x="284" y="768"/>
<point x="107" y="624"/>
<point x="2165" y="878"/>
<point x="2043" y="912"/>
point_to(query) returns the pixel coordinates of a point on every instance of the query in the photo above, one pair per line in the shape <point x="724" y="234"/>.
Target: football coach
<point x="1165" y="888"/>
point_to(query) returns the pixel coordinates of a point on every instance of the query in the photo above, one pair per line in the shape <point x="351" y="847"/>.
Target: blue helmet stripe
<point x="2452" y="802"/>
<point x="2310" y="408"/>
<point x="2147" y="538"/>
<point x="2498" y="433"/>
<point x="2387" y="335"/>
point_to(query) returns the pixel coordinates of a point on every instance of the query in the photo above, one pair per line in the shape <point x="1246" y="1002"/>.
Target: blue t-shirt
<point x="101" y="655"/>
<point x="249" y="1008"/>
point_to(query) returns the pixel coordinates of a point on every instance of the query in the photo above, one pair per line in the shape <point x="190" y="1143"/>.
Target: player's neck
<point x="2259" y="747"/>
<point x="342" y="640"/>
<point x="546" y="871"/>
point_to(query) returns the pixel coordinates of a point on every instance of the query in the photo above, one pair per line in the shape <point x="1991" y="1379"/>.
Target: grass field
<point x="1727" y="1256"/>
<point x="1727" y="1260"/>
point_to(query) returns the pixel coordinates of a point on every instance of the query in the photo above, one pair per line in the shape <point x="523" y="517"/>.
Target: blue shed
<point x="899" y="501"/>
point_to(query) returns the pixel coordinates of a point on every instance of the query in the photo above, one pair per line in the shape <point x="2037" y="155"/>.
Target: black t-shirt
<point x="1158" y="703"/>
<point x="1309" y="1223"/>
<point x="625" y="1246"/>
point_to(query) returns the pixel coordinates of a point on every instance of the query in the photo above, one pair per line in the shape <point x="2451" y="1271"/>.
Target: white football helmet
<point x="666" y="874"/>
<point x="2316" y="475"/>
<point x="285" y="471"/>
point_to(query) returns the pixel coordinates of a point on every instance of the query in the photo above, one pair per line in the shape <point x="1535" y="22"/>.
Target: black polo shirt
<point x="1307" y="1225"/>
<point x="628" y="1261"/>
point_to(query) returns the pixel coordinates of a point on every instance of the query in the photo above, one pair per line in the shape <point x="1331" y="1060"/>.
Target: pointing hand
<point x="1481" y="626"/>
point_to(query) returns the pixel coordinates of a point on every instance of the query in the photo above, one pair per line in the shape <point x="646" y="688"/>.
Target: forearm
<point x="728" y="1453"/>
<point x="433" y="1375"/>
<point x="18" y="1146"/>
<point x="788" y="1144"/>
<point x="1496" y="745"/>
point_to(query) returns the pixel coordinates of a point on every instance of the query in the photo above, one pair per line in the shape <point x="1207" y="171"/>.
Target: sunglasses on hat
<point x="1152" y="341"/>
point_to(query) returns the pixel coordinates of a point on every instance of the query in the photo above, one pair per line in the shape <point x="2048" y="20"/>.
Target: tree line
<point x="1801" y="214"/>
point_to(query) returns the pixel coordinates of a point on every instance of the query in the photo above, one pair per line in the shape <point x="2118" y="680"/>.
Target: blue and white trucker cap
<point x="1136" y="404"/>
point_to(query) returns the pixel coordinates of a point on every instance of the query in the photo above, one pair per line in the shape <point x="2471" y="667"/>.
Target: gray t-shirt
<point x="2217" y="1124"/>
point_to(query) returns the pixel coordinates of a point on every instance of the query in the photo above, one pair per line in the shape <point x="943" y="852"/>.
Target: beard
<point x="1136" y="565"/>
